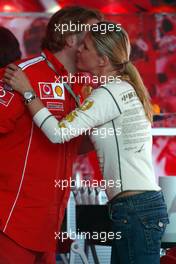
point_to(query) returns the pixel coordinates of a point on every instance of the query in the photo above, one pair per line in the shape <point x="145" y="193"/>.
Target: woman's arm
<point x="97" y="109"/>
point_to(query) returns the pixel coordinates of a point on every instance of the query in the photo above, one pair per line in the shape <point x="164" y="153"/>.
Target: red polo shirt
<point x="31" y="207"/>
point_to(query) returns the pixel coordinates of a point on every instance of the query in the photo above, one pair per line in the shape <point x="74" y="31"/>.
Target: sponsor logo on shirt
<point x="55" y="106"/>
<point x="52" y="91"/>
<point x="5" y="96"/>
<point x="87" y="105"/>
<point x="70" y="117"/>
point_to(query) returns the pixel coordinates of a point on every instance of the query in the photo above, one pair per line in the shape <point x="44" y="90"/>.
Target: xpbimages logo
<point x="83" y="79"/>
<point x="79" y="27"/>
<point x="103" y="184"/>
<point x="101" y="132"/>
<point x="102" y="236"/>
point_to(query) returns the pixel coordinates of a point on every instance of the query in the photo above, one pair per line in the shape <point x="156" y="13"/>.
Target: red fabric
<point x="64" y="246"/>
<point x="169" y="155"/>
<point x="95" y="166"/>
<point x="21" y="255"/>
<point x="170" y="257"/>
<point x="31" y="207"/>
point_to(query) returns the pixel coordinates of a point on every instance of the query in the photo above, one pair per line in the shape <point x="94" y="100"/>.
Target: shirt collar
<point x="56" y="63"/>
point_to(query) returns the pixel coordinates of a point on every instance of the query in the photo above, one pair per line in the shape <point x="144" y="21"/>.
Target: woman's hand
<point x="86" y="91"/>
<point x="17" y="79"/>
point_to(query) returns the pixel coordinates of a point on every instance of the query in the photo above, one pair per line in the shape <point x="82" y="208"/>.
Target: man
<point x="31" y="206"/>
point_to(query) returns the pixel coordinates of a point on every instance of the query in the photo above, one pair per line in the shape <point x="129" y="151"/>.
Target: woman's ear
<point x="71" y="40"/>
<point x="104" y="61"/>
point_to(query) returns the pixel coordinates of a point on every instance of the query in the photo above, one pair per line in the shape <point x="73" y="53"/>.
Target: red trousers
<point x="12" y="253"/>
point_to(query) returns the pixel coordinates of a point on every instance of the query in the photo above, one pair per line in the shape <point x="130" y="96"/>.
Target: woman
<point x="122" y="109"/>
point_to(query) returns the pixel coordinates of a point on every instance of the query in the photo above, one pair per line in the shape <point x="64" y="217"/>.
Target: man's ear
<point x="71" y="40"/>
<point x="104" y="61"/>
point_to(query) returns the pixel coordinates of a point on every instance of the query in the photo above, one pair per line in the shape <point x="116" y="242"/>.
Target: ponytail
<point x="132" y="75"/>
<point x="116" y="46"/>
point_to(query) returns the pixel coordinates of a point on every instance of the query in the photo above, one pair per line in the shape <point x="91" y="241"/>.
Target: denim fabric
<point x="141" y="219"/>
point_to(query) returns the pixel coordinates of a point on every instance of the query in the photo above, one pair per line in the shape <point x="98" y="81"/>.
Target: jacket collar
<point x="56" y="63"/>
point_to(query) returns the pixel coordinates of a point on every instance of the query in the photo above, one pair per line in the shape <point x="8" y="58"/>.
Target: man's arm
<point x="11" y="108"/>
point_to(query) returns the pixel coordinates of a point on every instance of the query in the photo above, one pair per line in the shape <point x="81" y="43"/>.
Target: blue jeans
<point x="141" y="219"/>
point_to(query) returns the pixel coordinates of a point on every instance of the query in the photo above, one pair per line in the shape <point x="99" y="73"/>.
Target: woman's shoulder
<point x="118" y="87"/>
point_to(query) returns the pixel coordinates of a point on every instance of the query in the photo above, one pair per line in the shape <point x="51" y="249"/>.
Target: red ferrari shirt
<point x="31" y="205"/>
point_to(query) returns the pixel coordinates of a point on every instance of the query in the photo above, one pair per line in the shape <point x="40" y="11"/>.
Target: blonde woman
<point x="121" y="107"/>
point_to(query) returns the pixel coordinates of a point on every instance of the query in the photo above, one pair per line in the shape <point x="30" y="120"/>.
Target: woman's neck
<point x="108" y="76"/>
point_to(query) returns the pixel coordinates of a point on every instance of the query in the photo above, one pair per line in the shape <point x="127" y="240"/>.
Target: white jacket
<point x="120" y="131"/>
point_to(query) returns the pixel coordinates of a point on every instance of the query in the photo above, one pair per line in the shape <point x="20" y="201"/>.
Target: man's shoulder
<point x="25" y="63"/>
<point x="30" y="62"/>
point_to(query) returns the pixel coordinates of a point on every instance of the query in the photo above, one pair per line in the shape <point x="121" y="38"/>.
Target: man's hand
<point x="17" y="79"/>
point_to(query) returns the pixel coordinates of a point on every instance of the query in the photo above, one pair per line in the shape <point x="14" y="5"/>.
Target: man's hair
<point x="9" y="47"/>
<point x="54" y="39"/>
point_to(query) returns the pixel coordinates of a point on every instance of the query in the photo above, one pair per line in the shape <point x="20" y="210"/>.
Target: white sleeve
<point x="97" y="109"/>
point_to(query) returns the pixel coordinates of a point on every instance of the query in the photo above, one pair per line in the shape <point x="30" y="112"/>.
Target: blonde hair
<point x="116" y="45"/>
